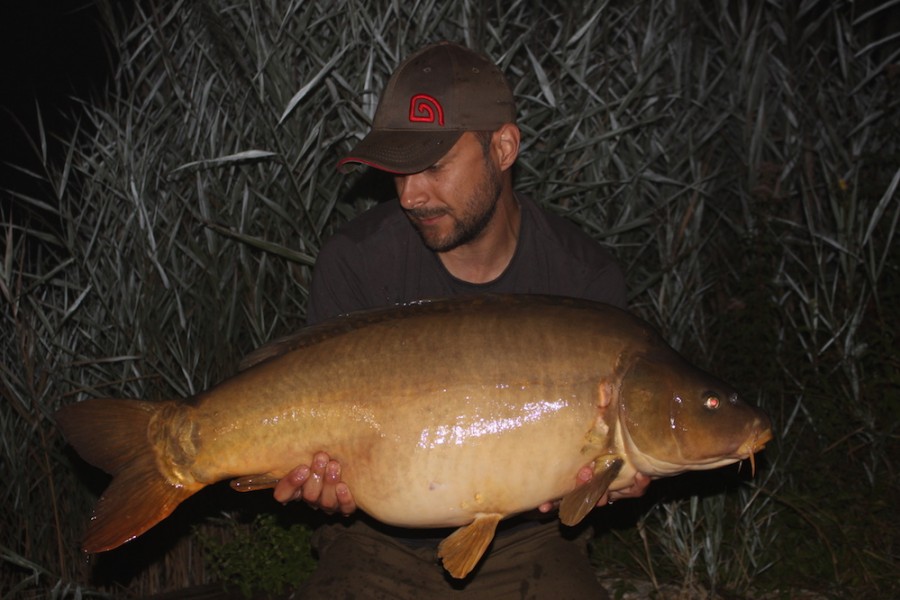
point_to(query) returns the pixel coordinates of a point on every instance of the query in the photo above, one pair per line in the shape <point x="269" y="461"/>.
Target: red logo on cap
<point x="425" y="109"/>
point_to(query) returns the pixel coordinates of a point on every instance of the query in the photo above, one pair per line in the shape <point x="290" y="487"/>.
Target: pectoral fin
<point x="578" y="503"/>
<point x="462" y="549"/>
<point x="251" y="483"/>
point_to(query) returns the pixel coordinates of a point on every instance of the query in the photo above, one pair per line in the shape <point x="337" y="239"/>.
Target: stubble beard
<point x="477" y="213"/>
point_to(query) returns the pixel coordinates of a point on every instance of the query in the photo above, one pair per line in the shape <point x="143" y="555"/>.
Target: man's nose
<point x="411" y="190"/>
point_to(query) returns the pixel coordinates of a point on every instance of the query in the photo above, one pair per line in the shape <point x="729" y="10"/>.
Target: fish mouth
<point x="753" y="445"/>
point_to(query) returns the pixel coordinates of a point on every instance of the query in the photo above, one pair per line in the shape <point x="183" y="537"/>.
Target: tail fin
<point x="113" y="435"/>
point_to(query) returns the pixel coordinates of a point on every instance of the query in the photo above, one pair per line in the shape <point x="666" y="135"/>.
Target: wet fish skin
<point x="419" y="404"/>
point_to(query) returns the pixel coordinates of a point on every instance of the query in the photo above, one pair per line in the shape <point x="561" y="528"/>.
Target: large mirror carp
<point x="419" y="404"/>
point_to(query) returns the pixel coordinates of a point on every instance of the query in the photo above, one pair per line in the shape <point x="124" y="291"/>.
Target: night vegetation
<point x="741" y="159"/>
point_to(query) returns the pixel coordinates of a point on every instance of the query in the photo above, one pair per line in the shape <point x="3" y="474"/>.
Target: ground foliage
<point x="740" y="158"/>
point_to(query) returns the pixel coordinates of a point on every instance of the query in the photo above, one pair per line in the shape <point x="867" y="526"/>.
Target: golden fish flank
<point x="537" y="384"/>
<point x="465" y="429"/>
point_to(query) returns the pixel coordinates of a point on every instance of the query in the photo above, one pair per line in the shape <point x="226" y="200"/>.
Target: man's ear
<point x="506" y="144"/>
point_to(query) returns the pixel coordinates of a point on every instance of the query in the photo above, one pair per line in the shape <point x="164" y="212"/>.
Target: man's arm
<point x="336" y="287"/>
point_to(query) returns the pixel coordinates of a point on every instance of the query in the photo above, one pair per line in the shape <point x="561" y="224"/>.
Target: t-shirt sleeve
<point x="336" y="286"/>
<point x="571" y="261"/>
<point x="607" y="284"/>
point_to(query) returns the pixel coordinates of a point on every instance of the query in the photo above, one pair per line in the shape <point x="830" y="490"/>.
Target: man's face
<point x="452" y="202"/>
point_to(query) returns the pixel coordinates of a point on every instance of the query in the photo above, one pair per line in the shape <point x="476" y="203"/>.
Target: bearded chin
<point x="474" y="222"/>
<point x="463" y="231"/>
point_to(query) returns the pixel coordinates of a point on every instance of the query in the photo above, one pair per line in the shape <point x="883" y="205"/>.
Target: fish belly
<point x="431" y="461"/>
<point x="434" y="419"/>
<point x="449" y="472"/>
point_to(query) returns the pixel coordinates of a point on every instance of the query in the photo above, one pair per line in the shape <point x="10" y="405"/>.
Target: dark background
<point x="52" y="52"/>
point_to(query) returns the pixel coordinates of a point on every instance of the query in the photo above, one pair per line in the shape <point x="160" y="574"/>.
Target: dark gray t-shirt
<point x="378" y="259"/>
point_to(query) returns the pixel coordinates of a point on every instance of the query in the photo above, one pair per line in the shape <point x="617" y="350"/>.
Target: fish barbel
<point x="419" y="403"/>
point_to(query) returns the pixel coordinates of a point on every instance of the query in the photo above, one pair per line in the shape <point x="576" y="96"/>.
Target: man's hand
<point x="319" y="485"/>
<point x="635" y="490"/>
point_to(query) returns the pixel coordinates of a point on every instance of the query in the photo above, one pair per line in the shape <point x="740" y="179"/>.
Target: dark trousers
<point x="357" y="561"/>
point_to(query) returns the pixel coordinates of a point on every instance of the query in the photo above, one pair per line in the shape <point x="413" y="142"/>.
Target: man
<point x="445" y="128"/>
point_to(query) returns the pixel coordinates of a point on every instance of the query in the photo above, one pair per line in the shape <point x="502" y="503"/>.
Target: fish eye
<point x="712" y="401"/>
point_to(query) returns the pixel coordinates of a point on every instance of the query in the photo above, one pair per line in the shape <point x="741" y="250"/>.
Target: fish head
<point x="675" y="417"/>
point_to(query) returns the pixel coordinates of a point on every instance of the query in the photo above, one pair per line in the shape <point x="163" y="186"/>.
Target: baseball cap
<point x="433" y="97"/>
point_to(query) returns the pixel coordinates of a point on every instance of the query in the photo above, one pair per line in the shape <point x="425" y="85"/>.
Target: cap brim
<point x="401" y="152"/>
